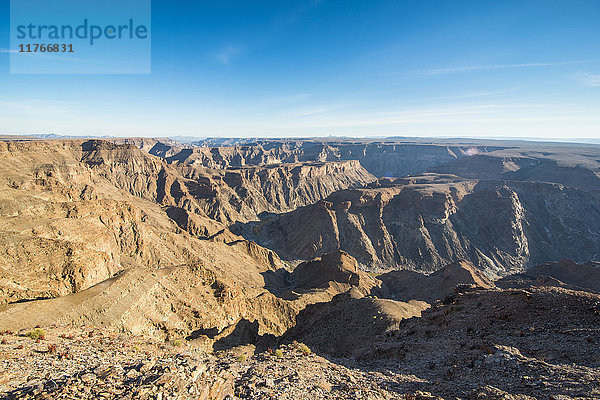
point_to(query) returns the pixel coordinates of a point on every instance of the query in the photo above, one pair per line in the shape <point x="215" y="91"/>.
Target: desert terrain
<point x="324" y="268"/>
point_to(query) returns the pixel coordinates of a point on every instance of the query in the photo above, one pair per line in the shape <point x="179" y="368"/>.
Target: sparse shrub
<point x="304" y="349"/>
<point x="37" y="334"/>
<point x="278" y="353"/>
<point x="3" y="341"/>
<point x="177" y="343"/>
<point x="51" y="348"/>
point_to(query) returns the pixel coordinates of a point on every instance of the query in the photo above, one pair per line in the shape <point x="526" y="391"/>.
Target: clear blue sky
<point x="488" y="68"/>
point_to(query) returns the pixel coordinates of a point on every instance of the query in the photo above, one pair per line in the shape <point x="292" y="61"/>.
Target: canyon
<point x="436" y="261"/>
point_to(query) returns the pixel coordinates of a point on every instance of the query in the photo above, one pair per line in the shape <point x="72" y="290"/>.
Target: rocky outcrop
<point x="565" y="273"/>
<point x="348" y="321"/>
<point x="423" y="223"/>
<point x="488" y="336"/>
<point x="409" y="285"/>
<point x="513" y="344"/>
<point x="115" y="366"/>
<point x="337" y="267"/>
<point x="369" y="310"/>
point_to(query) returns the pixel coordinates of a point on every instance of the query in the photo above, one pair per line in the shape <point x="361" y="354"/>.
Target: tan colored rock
<point x="409" y="285"/>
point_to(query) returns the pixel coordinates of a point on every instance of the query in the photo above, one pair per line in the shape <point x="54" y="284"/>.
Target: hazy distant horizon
<point x="190" y="139"/>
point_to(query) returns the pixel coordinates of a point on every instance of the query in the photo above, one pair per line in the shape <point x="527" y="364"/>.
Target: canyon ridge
<point x="299" y="268"/>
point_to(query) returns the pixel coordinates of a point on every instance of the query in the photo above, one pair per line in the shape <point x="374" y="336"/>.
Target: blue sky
<point x="481" y="68"/>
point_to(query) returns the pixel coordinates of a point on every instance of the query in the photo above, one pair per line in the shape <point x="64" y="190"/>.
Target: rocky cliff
<point x="423" y="223"/>
<point x="568" y="164"/>
<point x="386" y="158"/>
<point x="226" y="196"/>
<point x="576" y="170"/>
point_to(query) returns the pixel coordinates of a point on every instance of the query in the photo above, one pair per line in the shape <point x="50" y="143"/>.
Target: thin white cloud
<point x="28" y="108"/>
<point x="466" y="115"/>
<point x="592" y="80"/>
<point x="468" y="95"/>
<point x="355" y="118"/>
<point x="228" y="54"/>
<point x="316" y="110"/>
<point x="473" y="68"/>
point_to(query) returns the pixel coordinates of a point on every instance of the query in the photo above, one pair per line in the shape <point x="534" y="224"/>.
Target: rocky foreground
<point x="476" y="345"/>
<point x="88" y="363"/>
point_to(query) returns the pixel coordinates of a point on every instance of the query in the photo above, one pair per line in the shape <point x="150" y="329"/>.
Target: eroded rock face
<point x="501" y="227"/>
<point x="115" y="237"/>
<point x="245" y="193"/>
<point x="336" y="267"/>
<point x="226" y="196"/>
<point x="348" y="321"/>
<point x="78" y="212"/>
<point x="165" y="303"/>
<point x="409" y="285"/>
<point x="565" y="273"/>
<point x="554" y="165"/>
<point x="571" y="165"/>
<point x="389" y="158"/>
